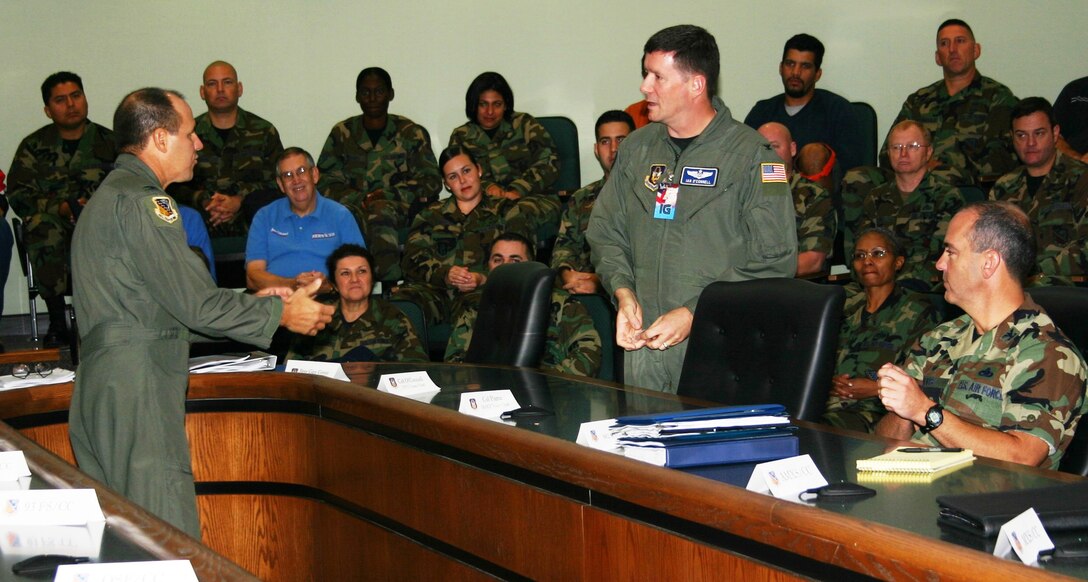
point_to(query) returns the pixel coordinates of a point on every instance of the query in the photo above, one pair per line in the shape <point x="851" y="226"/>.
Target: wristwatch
<point x="934" y="418"/>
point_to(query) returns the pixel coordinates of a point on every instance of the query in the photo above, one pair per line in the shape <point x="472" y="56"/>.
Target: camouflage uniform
<point x="816" y="219"/>
<point x="573" y="345"/>
<point x="442" y="237"/>
<point x="243" y="163"/>
<point x="1022" y="375"/>
<point x="380" y="181"/>
<point x="970" y="128"/>
<point x="1057" y="211"/>
<point x="571" y="247"/>
<point x="42" y="177"/>
<point x="382" y="329"/>
<point x="521" y="157"/>
<point x="919" y="222"/>
<point x="867" y="341"/>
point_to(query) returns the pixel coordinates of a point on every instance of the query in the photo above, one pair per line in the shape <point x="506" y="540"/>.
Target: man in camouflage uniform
<point x="1051" y="188"/>
<point x="451" y="235"/>
<point x="378" y="164"/>
<point x="816" y="219"/>
<point x="515" y="151"/>
<point x="1001" y="380"/>
<point x="916" y="205"/>
<point x="55" y="171"/>
<point x="966" y="113"/>
<point x="235" y="174"/>
<point x="572" y="346"/>
<point x="570" y="256"/>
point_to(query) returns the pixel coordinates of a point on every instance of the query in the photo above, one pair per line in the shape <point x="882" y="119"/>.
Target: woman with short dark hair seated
<point x="363" y="328"/>
<point x="879" y="325"/>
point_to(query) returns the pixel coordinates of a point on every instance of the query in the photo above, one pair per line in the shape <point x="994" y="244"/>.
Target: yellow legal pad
<point x="914" y="463"/>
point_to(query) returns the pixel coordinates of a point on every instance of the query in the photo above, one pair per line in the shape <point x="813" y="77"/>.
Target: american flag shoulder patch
<point x="772" y="172"/>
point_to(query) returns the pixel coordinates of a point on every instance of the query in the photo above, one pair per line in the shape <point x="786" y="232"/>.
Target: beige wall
<point x="298" y="60"/>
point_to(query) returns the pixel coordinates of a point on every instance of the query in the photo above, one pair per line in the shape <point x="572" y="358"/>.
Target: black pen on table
<point x="930" y="450"/>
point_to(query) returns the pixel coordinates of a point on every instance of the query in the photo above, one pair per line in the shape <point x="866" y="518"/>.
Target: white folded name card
<point x="50" y="507"/>
<point x="786" y="478"/>
<point x="69" y="540"/>
<point x="1025" y="535"/>
<point x="13" y="465"/>
<point x="597" y="434"/>
<point x="488" y="404"/>
<point x="327" y="369"/>
<point x="414" y="385"/>
<point x="164" y="571"/>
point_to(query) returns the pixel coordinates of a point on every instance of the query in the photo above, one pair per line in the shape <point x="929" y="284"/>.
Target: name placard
<point x="786" y="478"/>
<point x="69" y="540"/>
<point x="1025" y="535"/>
<point x="488" y="403"/>
<point x="414" y="385"/>
<point x="327" y="369"/>
<point x="163" y="571"/>
<point x="13" y="465"/>
<point x="597" y="434"/>
<point x="50" y="507"/>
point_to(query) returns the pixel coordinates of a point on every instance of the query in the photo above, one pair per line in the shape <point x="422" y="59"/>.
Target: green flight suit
<point x="733" y="219"/>
<point x="140" y="293"/>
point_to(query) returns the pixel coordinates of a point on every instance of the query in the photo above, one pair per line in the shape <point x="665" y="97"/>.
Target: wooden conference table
<point x="302" y="477"/>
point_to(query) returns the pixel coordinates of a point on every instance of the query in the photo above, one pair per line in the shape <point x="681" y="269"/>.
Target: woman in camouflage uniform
<point x="878" y="326"/>
<point x="363" y="328"/>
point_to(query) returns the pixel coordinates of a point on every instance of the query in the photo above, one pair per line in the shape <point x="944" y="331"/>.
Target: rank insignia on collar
<point x="165" y="209"/>
<point x="654" y="178"/>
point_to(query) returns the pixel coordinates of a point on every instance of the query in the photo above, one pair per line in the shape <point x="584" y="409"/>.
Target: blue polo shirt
<point x="291" y="244"/>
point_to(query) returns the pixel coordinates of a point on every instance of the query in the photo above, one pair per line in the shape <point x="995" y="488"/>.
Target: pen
<point x="931" y="450"/>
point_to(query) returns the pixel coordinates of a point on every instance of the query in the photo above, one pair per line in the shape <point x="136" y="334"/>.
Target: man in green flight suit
<point x="377" y="165"/>
<point x="693" y="198"/>
<point x="54" y="172"/>
<point x="141" y="293"/>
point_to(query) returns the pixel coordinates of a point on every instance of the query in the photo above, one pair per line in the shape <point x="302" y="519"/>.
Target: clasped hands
<point x="222" y="208"/>
<point x="666" y="331"/>
<point x="463" y="279"/>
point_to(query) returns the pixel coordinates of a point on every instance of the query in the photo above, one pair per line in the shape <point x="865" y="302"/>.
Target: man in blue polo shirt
<point x="290" y="238"/>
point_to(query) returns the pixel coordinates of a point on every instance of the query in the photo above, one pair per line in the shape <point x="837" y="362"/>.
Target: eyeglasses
<point x="912" y="147"/>
<point x="877" y="253"/>
<point x="23" y="371"/>
<point x="299" y="172"/>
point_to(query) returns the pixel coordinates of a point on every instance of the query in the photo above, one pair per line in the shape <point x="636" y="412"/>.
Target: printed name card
<point x="50" y="507"/>
<point x="786" y="478"/>
<point x="488" y="403"/>
<point x="597" y="434"/>
<point x="69" y="540"/>
<point x="414" y="385"/>
<point x="1023" y="534"/>
<point x="327" y="369"/>
<point x="13" y="465"/>
<point x="163" y="571"/>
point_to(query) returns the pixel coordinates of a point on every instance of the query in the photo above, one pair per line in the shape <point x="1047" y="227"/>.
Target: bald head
<point x="220" y="88"/>
<point x="781" y="142"/>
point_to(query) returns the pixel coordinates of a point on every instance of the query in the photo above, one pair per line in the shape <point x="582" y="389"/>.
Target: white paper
<point x="57" y="376"/>
<point x="219" y="364"/>
<point x="13" y="466"/>
<point x="786" y="478"/>
<point x="694" y="426"/>
<point x="162" y="571"/>
<point x="50" y="507"/>
<point x="488" y="403"/>
<point x="414" y="385"/>
<point x="327" y="369"/>
<point x="70" y="540"/>
<point x="1025" y="535"/>
<point x="597" y="434"/>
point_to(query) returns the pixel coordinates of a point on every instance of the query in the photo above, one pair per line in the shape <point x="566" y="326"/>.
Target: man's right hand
<point x="301" y="314"/>
<point x="579" y="282"/>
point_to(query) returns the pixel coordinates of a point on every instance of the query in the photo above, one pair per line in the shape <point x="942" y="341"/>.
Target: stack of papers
<point x="251" y="362"/>
<point x="57" y="376"/>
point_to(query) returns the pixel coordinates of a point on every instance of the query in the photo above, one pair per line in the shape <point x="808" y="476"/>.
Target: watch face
<point x="934" y="416"/>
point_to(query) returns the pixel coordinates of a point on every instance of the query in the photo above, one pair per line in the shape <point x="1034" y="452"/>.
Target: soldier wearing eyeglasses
<point x="917" y="204"/>
<point x="290" y="238"/>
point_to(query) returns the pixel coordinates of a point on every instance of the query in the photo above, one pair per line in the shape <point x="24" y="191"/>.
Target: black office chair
<point x="1068" y="307"/>
<point x="866" y="117"/>
<point x="512" y="321"/>
<point x="764" y="341"/>
<point x="565" y="135"/>
<point x="604" y="321"/>
<point x="28" y="271"/>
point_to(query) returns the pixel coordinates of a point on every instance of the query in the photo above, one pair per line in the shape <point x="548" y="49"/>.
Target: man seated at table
<point x="290" y="238"/>
<point x="572" y="346"/>
<point x="1001" y="380"/>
